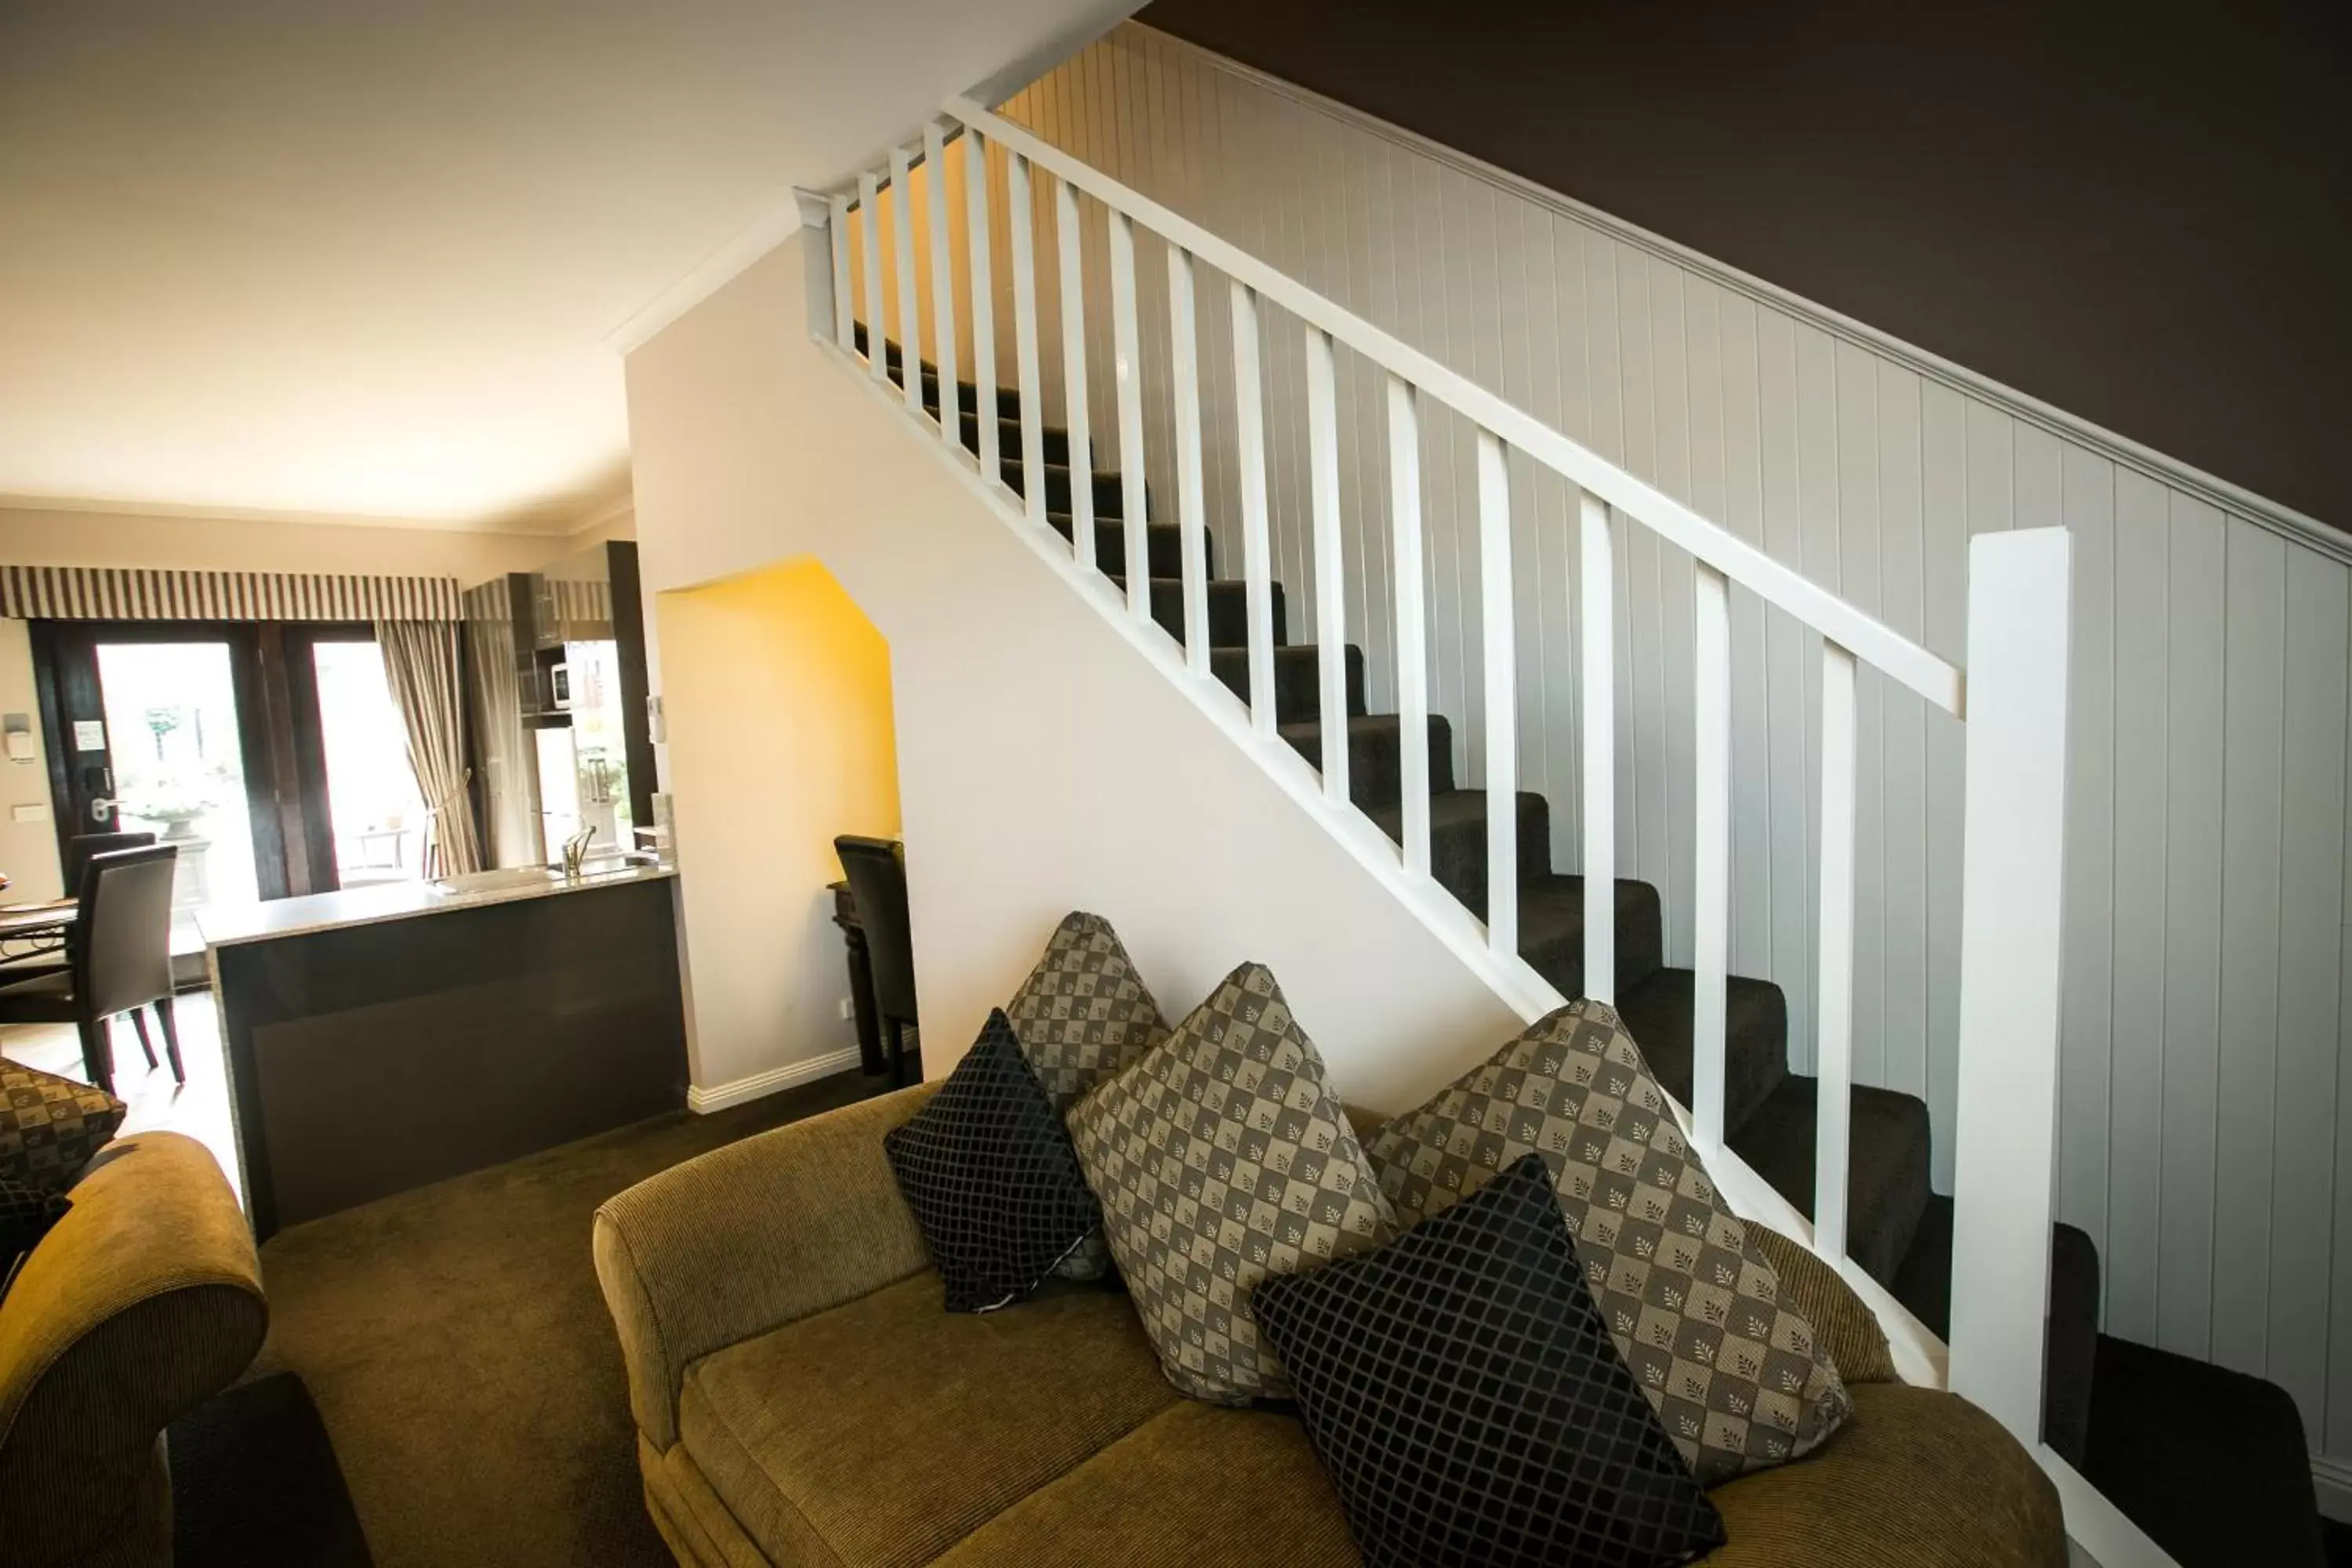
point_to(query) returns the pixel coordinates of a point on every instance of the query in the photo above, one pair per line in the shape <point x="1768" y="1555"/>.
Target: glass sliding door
<point x="375" y="813"/>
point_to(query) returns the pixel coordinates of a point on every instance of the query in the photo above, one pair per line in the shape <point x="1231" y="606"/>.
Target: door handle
<point x="101" y="809"/>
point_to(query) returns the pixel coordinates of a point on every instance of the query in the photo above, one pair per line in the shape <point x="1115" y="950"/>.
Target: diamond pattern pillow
<point x="50" y="1126"/>
<point x="1084" y="1016"/>
<point x="1464" y="1393"/>
<point x="988" y="1169"/>
<point x="1732" y="1368"/>
<point x="1220" y="1158"/>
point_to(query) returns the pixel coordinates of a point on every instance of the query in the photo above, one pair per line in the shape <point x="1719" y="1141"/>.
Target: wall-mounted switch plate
<point x="34" y="813"/>
<point x="847" y="1010"/>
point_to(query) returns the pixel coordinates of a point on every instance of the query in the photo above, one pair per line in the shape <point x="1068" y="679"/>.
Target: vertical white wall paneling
<point x="2306" y="1157"/>
<point x="1020" y="220"/>
<point x="2253" y="742"/>
<point x="1597" y="607"/>
<point x="1330" y="568"/>
<point x="1501" y="665"/>
<point x="910" y="315"/>
<point x="1870" y="470"/>
<point x="2140" y="807"/>
<point x="1834" y="1048"/>
<point x="2192" y="945"/>
<point x="1068" y="233"/>
<point x="979" y="245"/>
<point x="1249" y="403"/>
<point x="1192" y="501"/>
<point x="1711" y="842"/>
<point x="1411" y="620"/>
<point x="870" y="211"/>
<point x="2087" y="482"/>
<point x="1127" y="340"/>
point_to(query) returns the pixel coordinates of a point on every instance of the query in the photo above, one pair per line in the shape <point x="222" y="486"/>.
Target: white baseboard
<point x="2334" y="1479"/>
<point x="719" y="1096"/>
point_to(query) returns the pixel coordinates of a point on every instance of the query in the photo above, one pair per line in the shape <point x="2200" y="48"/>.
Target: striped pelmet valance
<point x="123" y="593"/>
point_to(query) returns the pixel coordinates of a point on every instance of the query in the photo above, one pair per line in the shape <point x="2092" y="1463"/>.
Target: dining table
<point x="30" y="932"/>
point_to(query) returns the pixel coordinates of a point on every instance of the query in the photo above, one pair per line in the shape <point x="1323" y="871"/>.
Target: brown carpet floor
<point x="457" y="1348"/>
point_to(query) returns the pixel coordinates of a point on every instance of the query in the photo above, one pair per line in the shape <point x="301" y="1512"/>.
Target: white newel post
<point x="2011" y="884"/>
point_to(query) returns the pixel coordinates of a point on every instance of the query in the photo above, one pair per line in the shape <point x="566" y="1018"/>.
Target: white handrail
<point x="1870" y="639"/>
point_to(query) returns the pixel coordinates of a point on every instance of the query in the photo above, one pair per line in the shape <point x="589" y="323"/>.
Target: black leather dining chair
<point x="877" y="870"/>
<point x="82" y="846"/>
<point x="121" y="961"/>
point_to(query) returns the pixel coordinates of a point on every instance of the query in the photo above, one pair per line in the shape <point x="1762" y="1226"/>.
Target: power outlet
<point x="848" y="1009"/>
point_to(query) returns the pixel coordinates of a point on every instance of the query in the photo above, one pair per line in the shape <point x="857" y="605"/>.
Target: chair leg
<point x="894" y="1042"/>
<point x="171" y="1038"/>
<point x="96" y="1057"/>
<point x="138" y="1021"/>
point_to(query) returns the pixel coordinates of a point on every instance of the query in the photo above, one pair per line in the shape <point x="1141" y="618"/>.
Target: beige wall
<point x="1044" y="763"/>
<point x="779" y="709"/>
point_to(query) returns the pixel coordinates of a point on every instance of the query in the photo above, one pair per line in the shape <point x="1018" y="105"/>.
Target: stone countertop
<point x="229" y="925"/>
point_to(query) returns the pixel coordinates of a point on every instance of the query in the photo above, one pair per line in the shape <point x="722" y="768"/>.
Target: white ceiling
<point x="365" y="261"/>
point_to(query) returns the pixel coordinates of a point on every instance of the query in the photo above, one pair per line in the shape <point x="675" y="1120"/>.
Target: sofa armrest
<point x="144" y="1300"/>
<point x="749" y="1237"/>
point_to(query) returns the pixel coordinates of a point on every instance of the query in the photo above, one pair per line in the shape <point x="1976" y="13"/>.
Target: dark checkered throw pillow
<point x="1464" y="1393"/>
<point x="988" y="1171"/>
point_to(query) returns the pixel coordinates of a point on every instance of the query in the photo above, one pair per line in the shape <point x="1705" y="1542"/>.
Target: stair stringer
<point x="1920" y="1356"/>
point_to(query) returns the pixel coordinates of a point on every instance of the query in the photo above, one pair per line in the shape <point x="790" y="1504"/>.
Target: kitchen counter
<point x="386" y="1036"/>
<point x="228" y="925"/>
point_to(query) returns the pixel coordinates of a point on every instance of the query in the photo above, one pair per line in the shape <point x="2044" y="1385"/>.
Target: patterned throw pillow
<point x="1220" y="1158"/>
<point x="1462" y="1391"/>
<point x="1697" y="1313"/>
<point x="1084" y="1016"/>
<point x="50" y="1126"/>
<point x="988" y="1169"/>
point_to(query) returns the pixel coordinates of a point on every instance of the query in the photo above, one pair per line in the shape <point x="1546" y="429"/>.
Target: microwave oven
<point x="559" y="688"/>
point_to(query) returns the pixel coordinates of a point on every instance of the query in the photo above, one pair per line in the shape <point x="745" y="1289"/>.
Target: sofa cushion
<point x="50" y="1126"/>
<point x="1196" y="1484"/>
<point x="1732" y="1368"/>
<point x="883" y="1430"/>
<point x="988" y="1171"/>
<point x="1464" y="1393"/>
<point x="1918" y="1479"/>
<point x="1220" y="1158"/>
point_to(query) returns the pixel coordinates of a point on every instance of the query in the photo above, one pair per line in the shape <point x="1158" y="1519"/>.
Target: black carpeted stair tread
<point x="2211" y="1463"/>
<point x="1375" y="767"/>
<point x="1755" y="1038"/>
<point x="1164" y="543"/>
<point x="1297" y="677"/>
<point x="1924" y="1285"/>
<point x="1888" y="1166"/>
<point x="1551" y="930"/>
<point x="1228" y="608"/>
<point x="1008" y="399"/>
<point x="1108" y="500"/>
<point x="1008" y="436"/>
<point x="1457" y="840"/>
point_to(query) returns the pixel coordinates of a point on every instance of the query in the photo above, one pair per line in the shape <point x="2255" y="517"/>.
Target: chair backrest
<point x="123" y="949"/>
<point x="82" y="846"/>
<point x="877" y="869"/>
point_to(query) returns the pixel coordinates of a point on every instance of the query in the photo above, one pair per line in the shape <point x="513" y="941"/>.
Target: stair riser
<point x="1297" y="679"/>
<point x="1008" y="399"/>
<point x="1228" y="610"/>
<point x="1640" y="955"/>
<point x="1165" y="543"/>
<point x="1457" y="851"/>
<point x="1108" y="501"/>
<point x="1756" y="1040"/>
<point x="1375" y="770"/>
<point x="1008" y="438"/>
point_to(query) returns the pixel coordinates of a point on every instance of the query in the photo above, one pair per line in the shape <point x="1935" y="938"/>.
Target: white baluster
<point x="943" y="310"/>
<point x="1074" y="373"/>
<point x="911" y="317"/>
<point x="1128" y="366"/>
<point x="1711" y="863"/>
<point x="1502" y="718"/>
<point x="869" y="208"/>
<point x="844" y="325"/>
<point x="1020" y="222"/>
<point x="2005" y="1120"/>
<point x="1411" y="617"/>
<point x="984" y="305"/>
<point x="1833" y="1004"/>
<point x="1257" y="571"/>
<point x="1598" y="601"/>
<point x="1330" y="569"/>
<point x="1192" y="500"/>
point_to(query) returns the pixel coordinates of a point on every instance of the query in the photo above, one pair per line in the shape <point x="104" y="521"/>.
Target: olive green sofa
<point x="802" y="1401"/>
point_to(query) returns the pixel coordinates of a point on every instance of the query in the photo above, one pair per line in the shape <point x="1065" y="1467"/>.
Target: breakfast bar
<point x="382" y="1038"/>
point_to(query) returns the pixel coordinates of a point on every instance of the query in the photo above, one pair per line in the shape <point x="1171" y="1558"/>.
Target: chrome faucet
<point x="575" y="849"/>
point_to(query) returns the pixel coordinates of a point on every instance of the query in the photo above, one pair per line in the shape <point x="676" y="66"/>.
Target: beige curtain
<point x="420" y="661"/>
